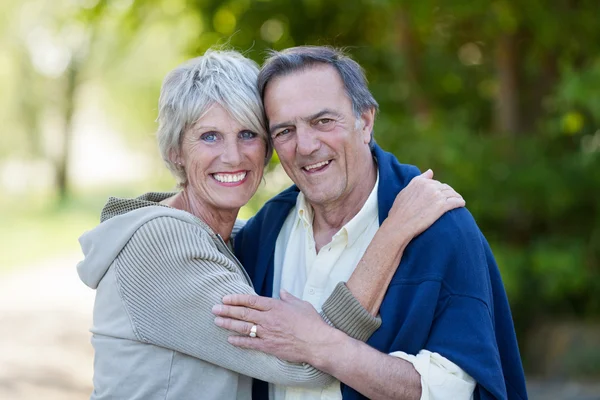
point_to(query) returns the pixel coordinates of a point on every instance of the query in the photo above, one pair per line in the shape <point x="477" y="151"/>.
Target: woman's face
<point x="223" y="160"/>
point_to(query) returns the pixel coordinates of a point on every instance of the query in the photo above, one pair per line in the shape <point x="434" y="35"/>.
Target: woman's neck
<point x="221" y="221"/>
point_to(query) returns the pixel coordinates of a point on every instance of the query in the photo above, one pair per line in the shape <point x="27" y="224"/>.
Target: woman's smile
<point x="230" y="178"/>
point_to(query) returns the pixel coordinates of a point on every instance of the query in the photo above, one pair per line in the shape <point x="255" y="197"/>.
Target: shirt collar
<point x="304" y="211"/>
<point x="357" y="225"/>
<point x="353" y="228"/>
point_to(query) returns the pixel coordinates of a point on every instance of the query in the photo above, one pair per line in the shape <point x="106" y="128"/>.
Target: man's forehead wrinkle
<point x="321" y="85"/>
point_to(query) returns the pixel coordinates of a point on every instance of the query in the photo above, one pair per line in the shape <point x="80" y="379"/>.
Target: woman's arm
<point x="170" y="275"/>
<point x="416" y="207"/>
<point x="422" y="202"/>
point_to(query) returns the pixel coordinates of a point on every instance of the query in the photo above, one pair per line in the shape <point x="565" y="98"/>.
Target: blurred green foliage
<point x="500" y="98"/>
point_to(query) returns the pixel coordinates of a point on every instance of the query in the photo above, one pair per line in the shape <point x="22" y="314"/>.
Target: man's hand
<point x="289" y="328"/>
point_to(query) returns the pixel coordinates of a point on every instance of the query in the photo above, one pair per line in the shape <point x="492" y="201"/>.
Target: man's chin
<point x="320" y="197"/>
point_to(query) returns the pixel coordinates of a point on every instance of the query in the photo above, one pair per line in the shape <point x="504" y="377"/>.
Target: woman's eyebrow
<point x="204" y="127"/>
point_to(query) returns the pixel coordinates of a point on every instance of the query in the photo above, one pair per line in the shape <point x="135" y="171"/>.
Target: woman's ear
<point x="175" y="158"/>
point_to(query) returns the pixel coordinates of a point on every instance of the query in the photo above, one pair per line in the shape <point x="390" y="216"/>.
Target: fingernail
<point x="218" y="321"/>
<point x="226" y="298"/>
<point x="216" y="309"/>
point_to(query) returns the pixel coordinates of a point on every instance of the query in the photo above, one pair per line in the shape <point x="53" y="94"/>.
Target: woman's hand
<point x="422" y="202"/>
<point x="288" y="328"/>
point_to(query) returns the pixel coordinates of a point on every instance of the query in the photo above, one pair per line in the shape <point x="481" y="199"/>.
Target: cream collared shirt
<point x="312" y="276"/>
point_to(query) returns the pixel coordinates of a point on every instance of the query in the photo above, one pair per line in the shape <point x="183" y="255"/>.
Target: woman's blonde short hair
<point x="221" y="77"/>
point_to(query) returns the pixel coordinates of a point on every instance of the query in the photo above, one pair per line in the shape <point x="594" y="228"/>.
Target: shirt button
<point x="311" y="291"/>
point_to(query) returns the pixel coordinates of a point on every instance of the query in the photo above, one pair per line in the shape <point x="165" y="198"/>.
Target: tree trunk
<point x="62" y="163"/>
<point x="29" y="105"/>
<point x="541" y="87"/>
<point x="408" y="43"/>
<point x="506" y="113"/>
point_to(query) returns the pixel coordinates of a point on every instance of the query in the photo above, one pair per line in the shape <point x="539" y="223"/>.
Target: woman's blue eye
<point x="247" y="135"/>
<point x="209" y="137"/>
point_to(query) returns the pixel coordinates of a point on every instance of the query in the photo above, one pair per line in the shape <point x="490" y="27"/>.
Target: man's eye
<point x="208" y="137"/>
<point x="324" y="121"/>
<point x="247" y="135"/>
<point x="282" y="132"/>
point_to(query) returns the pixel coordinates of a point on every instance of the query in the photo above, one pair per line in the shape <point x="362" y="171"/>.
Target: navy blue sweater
<point x="447" y="295"/>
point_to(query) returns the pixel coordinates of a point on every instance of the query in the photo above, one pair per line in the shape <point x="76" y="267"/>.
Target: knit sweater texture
<point x="158" y="272"/>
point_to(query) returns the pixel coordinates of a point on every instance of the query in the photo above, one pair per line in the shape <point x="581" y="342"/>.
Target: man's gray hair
<point x="301" y="58"/>
<point x="222" y="77"/>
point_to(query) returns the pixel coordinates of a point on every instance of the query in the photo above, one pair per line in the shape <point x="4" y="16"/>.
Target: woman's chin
<point x="233" y="203"/>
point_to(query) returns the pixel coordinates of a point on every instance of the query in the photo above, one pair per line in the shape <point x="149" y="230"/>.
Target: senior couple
<point x="377" y="282"/>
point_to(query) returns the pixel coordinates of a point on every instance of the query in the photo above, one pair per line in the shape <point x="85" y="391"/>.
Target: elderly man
<point x="447" y="330"/>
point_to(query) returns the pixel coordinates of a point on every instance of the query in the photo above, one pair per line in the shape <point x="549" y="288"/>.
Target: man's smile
<point x="317" y="167"/>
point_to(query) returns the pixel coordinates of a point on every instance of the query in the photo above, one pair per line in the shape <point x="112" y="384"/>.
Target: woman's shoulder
<point x="137" y="230"/>
<point x="173" y="230"/>
<point x="116" y="206"/>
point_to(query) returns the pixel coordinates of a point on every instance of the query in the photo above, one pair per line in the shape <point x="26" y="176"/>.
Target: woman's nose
<point x="231" y="153"/>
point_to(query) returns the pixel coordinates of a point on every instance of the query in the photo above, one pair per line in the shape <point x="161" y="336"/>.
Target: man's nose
<point x="307" y="141"/>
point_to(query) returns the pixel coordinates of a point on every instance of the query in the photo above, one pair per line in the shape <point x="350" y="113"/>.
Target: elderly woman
<point x="160" y="262"/>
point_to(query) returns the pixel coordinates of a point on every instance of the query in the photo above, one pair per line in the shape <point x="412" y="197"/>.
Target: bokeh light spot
<point x="572" y="122"/>
<point x="272" y="30"/>
<point x="224" y="21"/>
<point x="452" y="83"/>
<point x="470" y="54"/>
<point x="173" y="7"/>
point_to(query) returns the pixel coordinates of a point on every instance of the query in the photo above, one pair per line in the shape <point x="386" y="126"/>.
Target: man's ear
<point x="367" y="120"/>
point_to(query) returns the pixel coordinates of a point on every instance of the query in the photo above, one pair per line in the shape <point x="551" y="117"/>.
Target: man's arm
<point x="374" y="374"/>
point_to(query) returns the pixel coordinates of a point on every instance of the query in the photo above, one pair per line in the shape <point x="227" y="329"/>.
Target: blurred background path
<point x="45" y="352"/>
<point x="45" y="315"/>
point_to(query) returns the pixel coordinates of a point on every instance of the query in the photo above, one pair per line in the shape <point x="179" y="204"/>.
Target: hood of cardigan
<point x="120" y="219"/>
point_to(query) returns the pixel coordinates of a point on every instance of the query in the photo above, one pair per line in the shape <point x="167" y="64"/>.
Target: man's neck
<point x="330" y="218"/>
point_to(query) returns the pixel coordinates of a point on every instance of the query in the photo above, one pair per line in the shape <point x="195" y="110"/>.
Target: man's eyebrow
<point x="312" y="117"/>
<point x="321" y="113"/>
<point x="279" y="126"/>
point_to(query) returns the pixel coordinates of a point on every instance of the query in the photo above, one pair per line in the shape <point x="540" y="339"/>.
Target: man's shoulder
<point x="453" y="252"/>
<point x="391" y="168"/>
<point x="397" y="175"/>
<point x="457" y="227"/>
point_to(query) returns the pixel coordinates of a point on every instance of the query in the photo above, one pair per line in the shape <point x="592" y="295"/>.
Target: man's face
<point x="322" y="146"/>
